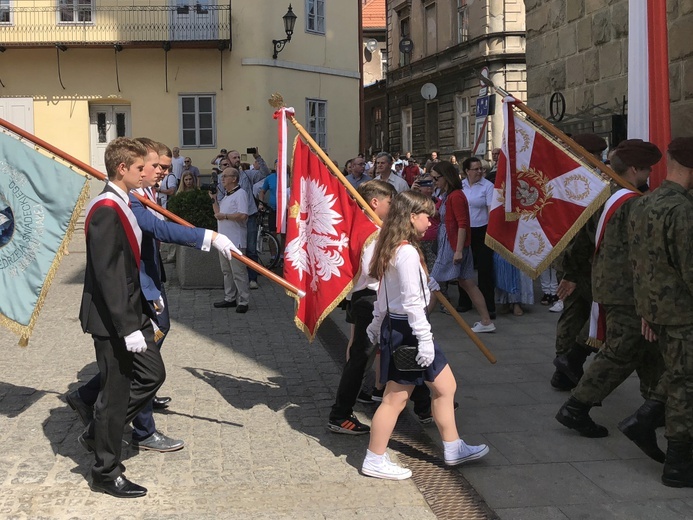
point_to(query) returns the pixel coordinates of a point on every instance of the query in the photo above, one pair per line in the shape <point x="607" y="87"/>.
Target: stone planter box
<point x="198" y="269"/>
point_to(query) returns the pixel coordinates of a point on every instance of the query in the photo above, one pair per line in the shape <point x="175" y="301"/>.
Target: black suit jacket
<point x="112" y="300"/>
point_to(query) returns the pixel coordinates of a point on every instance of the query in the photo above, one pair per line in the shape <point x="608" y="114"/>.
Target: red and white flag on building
<point x="649" y="116"/>
<point x="543" y="195"/>
<point x="325" y="234"/>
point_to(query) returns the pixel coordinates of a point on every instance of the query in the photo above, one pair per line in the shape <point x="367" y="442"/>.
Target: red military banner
<point x="325" y="234"/>
<point x="543" y="195"/>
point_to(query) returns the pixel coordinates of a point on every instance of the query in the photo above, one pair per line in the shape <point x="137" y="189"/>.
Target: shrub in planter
<point x="194" y="206"/>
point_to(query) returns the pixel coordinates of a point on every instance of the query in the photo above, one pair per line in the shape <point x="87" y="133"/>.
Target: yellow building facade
<point x="197" y="75"/>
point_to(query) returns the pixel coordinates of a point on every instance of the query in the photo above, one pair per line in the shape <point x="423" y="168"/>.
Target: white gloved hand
<point x="225" y="246"/>
<point x="159" y="305"/>
<point x="373" y="333"/>
<point x="134" y="342"/>
<point x="426" y="353"/>
<point x="433" y="284"/>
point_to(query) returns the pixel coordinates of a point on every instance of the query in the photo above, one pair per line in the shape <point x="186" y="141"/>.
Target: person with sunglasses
<point x="188" y="167"/>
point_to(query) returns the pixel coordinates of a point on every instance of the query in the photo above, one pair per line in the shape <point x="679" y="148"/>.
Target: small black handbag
<point x="404" y="356"/>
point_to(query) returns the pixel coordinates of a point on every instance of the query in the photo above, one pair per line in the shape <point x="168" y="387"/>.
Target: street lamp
<point x="289" y="22"/>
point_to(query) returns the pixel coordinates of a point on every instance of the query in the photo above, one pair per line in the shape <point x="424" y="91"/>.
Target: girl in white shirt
<point x="400" y="318"/>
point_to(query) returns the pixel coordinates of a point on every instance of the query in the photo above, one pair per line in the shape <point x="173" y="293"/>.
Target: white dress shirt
<point x="480" y="197"/>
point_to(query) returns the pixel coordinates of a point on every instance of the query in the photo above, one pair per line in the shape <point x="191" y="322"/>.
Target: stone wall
<point x="580" y="49"/>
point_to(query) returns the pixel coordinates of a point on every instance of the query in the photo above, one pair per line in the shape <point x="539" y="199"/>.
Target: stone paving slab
<point x="251" y="399"/>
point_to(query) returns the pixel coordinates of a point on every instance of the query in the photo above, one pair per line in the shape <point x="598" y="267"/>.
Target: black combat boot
<point x="570" y="364"/>
<point x="575" y="415"/>
<point x="561" y="382"/>
<point x="678" y="467"/>
<point x="640" y="428"/>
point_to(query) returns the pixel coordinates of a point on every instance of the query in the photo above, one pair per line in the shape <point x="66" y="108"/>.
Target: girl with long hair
<point x="400" y="318"/>
<point x="187" y="183"/>
<point x="454" y="260"/>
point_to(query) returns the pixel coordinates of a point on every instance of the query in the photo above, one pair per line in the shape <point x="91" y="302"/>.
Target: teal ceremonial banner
<point x="40" y="200"/>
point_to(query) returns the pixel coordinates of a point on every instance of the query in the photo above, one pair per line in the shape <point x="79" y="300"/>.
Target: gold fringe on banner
<point x="24" y="331"/>
<point x="594" y="342"/>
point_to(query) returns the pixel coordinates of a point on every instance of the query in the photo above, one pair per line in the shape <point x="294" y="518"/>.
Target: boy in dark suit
<point x="116" y="314"/>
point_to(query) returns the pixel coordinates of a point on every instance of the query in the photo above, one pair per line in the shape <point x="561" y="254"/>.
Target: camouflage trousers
<point x="625" y="350"/>
<point x="573" y="324"/>
<point x="676" y="343"/>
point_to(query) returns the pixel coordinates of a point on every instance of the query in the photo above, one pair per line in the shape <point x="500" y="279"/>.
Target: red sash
<point x="127" y="219"/>
<point x="597" y="334"/>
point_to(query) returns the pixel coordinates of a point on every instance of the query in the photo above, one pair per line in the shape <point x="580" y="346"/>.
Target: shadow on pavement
<point x="16" y="399"/>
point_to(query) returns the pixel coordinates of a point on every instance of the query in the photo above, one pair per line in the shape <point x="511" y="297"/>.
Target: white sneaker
<point x="253" y="284"/>
<point x="480" y="327"/>
<point x="466" y="453"/>
<point x="557" y="307"/>
<point x="383" y="467"/>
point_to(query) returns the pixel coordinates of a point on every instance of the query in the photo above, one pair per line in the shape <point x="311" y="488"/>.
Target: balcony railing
<point x="95" y="25"/>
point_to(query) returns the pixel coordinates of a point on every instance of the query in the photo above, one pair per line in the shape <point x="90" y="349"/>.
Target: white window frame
<point x="315" y="16"/>
<point x="462" y="21"/>
<point x="6" y="7"/>
<point x="462" y="122"/>
<point x="317" y="125"/>
<point x="197" y="127"/>
<point x="406" y="129"/>
<point x="383" y="63"/>
<point x="77" y="7"/>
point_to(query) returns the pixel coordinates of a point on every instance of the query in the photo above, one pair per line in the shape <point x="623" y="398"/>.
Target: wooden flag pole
<point x="277" y="102"/>
<point x="171" y="216"/>
<point x="555" y="132"/>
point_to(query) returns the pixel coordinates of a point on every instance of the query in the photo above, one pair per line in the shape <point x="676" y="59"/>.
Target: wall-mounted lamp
<point x="289" y="22"/>
<point x="167" y="46"/>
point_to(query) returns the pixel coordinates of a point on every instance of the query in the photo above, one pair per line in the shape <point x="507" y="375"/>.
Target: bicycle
<point x="267" y="245"/>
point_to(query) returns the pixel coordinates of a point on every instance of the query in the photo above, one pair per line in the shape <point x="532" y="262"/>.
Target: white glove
<point x="134" y="342"/>
<point x="159" y="305"/>
<point x="373" y="333"/>
<point x="432" y="284"/>
<point x="426" y="353"/>
<point x="225" y="246"/>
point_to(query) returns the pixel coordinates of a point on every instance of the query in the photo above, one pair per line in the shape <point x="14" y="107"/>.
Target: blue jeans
<point x="251" y="248"/>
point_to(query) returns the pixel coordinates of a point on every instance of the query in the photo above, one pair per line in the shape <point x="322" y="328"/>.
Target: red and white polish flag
<point x="648" y="77"/>
<point x="543" y="195"/>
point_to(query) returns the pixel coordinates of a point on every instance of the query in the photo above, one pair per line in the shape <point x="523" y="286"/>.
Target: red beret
<point x="638" y="153"/>
<point x="591" y="142"/>
<point x="681" y="150"/>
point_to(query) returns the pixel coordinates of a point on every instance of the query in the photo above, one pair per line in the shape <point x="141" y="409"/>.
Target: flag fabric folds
<point x="649" y="115"/>
<point x="40" y="201"/>
<point x="543" y="195"/>
<point x="325" y="234"/>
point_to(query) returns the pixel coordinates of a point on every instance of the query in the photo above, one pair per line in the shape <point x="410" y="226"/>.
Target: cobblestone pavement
<point x="251" y="399"/>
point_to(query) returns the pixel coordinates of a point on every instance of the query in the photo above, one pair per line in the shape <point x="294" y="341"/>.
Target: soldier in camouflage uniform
<point x="625" y="349"/>
<point x="575" y="289"/>
<point x="661" y="233"/>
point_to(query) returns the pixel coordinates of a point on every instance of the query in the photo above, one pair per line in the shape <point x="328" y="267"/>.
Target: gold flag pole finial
<point x="276" y="101"/>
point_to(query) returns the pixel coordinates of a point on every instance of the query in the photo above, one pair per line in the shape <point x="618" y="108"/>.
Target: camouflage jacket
<point x="612" y="272"/>
<point x="576" y="259"/>
<point x="661" y="235"/>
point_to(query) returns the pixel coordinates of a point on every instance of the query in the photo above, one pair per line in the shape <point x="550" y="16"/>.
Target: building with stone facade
<point x="374" y="29"/>
<point x="577" y="64"/>
<point x="445" y="43"/>
<point x="190" y="73"/>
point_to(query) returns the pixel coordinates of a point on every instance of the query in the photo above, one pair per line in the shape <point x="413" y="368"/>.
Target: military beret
<point x="681" y="150"/>
<point x="591" y="142"/>
<point x="638" y="153"/>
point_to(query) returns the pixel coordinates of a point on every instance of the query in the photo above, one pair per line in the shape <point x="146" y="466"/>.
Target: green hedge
<point x="195" y="207"/>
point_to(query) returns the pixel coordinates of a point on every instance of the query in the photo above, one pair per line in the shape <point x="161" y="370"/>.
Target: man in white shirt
<point x="177" y="163"/>
<point x="383" y="172"/>
<point x="232" y="216"/>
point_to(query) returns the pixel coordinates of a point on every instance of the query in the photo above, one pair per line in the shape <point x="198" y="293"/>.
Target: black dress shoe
<point x="242" y="309"/>
<point x="223" y="304"/>
<point x="157" y="441"/>
<point x="119" y="488"/>
<point x="159" y="403"/>
<point x="85" y="412"/>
